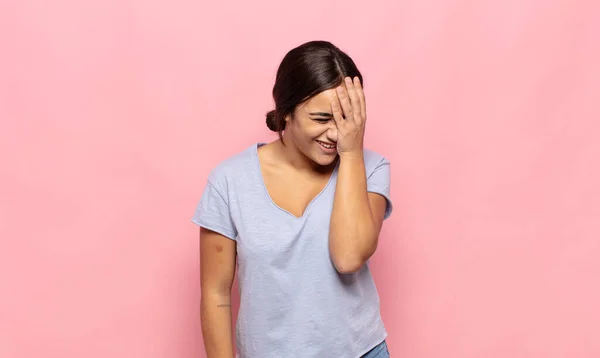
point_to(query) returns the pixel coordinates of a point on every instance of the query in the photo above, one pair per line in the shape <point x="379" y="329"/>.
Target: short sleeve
<point x="378" y="182"/>
<point x="212" y="212"/>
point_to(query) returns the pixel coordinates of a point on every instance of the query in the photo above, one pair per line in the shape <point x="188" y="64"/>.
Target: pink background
<point x="113" y="113"/>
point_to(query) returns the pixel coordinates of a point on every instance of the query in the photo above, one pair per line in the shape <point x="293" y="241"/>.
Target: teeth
<point x="328" y="146"/>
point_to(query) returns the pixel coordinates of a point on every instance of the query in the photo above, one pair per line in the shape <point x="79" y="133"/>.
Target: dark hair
<point x="304" y="72"/>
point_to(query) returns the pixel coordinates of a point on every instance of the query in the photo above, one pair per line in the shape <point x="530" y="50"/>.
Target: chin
<point x="324" y="160"/>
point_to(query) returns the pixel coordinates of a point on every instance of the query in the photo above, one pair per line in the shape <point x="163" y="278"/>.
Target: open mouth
<point x="327" y="146"/>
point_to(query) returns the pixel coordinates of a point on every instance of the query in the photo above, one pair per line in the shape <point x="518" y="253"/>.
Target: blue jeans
<point x="380" y="351"/>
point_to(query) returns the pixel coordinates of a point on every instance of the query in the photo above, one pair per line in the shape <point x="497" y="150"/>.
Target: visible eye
<point x="322" y="120"/>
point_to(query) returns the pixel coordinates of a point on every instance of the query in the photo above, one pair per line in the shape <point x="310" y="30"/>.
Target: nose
<point x="332" y="132"/>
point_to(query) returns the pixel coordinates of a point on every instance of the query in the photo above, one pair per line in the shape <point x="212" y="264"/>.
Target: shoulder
<point x="225" y="170"/>
<point x="374" y="161"/>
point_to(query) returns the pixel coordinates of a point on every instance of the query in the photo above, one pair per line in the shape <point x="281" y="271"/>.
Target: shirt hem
<point x="379" y="341"/>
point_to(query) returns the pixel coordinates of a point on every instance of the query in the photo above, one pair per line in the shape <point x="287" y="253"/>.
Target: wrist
<point x="352" y="155"/>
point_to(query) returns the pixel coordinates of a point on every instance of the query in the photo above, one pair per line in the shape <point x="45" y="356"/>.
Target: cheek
<point x="314" y="130"/>
<point x="306" y="131"/>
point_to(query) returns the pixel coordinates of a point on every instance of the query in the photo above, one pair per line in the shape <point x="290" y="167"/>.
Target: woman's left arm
<point x="357" y="214"/>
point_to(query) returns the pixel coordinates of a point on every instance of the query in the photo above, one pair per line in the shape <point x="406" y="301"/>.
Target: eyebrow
<point x="323" y="114"/>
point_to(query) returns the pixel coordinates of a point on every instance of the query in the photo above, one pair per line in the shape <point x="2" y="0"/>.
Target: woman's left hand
<point x="350" y="114"/>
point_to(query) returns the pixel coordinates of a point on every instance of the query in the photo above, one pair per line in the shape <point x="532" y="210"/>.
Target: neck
<point x="291" y="155"/>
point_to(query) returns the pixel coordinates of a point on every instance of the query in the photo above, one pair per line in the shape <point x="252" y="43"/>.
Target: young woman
<point x="300" y="216"/>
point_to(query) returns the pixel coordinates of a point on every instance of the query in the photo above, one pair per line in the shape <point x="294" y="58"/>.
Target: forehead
<point x="321" y="101"/>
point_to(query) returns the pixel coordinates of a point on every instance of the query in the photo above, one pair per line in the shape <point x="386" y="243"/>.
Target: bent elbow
<point x="348" y="266"/>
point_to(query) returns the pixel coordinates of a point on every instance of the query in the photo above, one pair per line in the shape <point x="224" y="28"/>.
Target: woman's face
<point x="313" y="130"/>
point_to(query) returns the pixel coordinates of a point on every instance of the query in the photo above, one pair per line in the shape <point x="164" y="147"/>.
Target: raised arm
<point x="357" y="214"/>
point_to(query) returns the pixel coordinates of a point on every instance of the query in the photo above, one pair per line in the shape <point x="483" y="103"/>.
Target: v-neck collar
<point x="264" y="186"/>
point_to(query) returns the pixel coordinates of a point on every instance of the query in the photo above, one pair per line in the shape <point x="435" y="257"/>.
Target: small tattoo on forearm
<point x="224" y="305"/>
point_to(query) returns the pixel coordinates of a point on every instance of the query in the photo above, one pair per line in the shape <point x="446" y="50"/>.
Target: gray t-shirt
<point x="294" y="303"/>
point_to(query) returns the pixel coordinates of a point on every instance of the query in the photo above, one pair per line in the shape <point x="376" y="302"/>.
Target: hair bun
<point x="271" y="121"/>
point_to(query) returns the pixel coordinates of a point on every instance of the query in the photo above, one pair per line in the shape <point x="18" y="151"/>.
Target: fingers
<point x="344" y="100"/>
<point x="353" y="94"/>
<point x="361" y="97"/>
<point x="338" y="116"/>
<point x="352" y="101"/>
